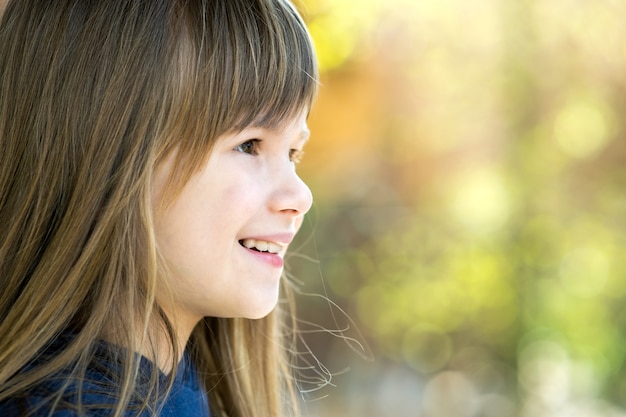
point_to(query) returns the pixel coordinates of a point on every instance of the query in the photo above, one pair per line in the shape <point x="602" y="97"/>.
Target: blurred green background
<point x="467" y="162"/>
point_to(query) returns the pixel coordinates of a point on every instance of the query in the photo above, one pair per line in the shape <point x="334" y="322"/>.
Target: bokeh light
<point x="468" y="226"/>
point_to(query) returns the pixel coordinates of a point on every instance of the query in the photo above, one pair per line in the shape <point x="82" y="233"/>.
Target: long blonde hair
<point x="93" y="96"/>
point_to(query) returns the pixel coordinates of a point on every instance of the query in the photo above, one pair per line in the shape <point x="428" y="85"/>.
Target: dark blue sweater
<point x="98" y="393"/>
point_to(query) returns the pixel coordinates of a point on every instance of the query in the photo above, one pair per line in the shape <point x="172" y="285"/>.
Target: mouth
<point x="261" y="246"/>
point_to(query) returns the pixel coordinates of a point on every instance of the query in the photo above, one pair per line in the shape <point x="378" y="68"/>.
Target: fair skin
<point x="226" y="233"/>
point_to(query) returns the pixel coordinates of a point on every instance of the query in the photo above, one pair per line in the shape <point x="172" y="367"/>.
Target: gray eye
<point x="250" y="147"/>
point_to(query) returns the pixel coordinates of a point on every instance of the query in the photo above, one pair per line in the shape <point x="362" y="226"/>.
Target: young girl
<point x="147" y="197"/>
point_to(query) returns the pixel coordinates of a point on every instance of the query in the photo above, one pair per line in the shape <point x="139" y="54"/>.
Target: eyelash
<point x="295" y="155"/>
<point x="255" y="146"/>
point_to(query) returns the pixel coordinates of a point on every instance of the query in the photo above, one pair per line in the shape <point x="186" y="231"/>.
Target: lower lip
<point x="272" y="259"/>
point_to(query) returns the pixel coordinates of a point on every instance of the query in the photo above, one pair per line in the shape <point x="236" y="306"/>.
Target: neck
<point x="156" y="344"/>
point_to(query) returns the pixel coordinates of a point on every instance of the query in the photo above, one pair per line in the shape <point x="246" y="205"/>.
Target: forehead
<point x="295" y="125"/>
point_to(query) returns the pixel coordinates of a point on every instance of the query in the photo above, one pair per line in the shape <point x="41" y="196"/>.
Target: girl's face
<point x="225" y="234"/>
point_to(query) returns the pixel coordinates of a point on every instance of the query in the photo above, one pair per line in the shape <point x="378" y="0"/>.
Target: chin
<point x="259" y="313"/>
<point x="257" y="309"/>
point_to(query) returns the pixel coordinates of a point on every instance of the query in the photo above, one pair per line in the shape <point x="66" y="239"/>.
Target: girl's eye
<point x="250" y="147"/>
<point x="295" y="155"/>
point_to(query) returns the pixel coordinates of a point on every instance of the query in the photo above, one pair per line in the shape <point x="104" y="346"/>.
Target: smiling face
<point x="225" y="234"/>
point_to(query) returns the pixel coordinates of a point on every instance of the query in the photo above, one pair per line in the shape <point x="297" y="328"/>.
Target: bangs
<point x="235" y="63"/>
<point x="273" y="66"/>
<point x="257" y="60"/>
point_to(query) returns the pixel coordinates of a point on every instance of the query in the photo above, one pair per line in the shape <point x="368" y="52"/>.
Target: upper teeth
<point x="262" y="245"/>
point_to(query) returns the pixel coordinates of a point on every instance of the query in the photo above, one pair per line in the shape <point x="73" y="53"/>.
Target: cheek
<point x="240" y="194"/>
<point x="180" y="224"/>
<point x="210" y="212"/>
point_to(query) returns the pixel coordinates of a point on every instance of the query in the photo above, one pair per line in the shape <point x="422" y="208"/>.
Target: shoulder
<point x="59" y="396"/>
<point x="70" y="392"/>
<point x="95" y="391"/>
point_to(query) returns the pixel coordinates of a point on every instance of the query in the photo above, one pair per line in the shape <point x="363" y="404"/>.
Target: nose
<point x="291" y="195"/>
